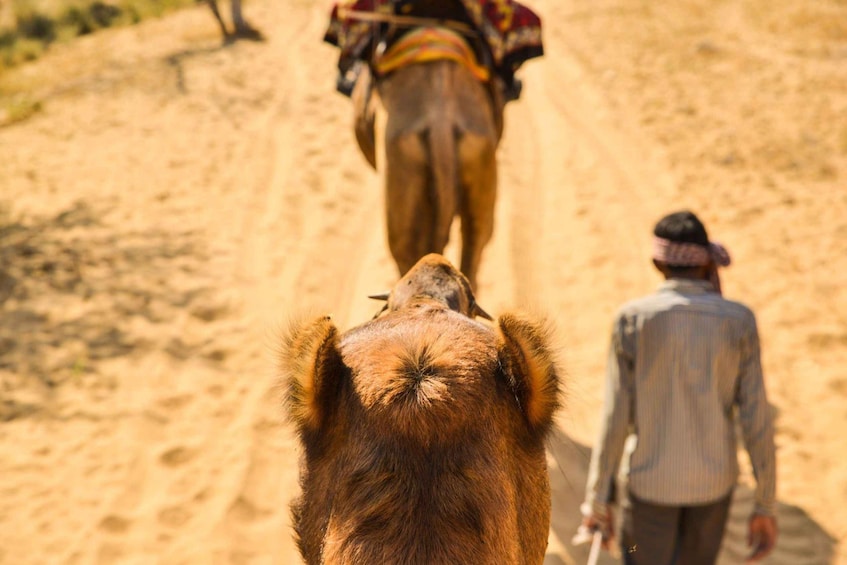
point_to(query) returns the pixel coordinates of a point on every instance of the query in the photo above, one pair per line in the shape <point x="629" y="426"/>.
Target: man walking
<point x="683" y="365"/>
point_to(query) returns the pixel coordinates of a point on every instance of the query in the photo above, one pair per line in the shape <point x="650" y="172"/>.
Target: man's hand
<point x="761" y="536"/>
<point x="603" y="524"/>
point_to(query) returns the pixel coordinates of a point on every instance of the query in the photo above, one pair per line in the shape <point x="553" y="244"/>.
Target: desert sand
<point x="176" y="202"/>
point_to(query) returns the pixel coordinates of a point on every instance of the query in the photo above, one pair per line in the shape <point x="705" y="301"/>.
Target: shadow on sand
<point x="74" y="293"/>
<point x="802" y="541"/>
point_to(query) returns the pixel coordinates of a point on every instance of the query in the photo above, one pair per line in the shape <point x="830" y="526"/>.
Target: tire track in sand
<point x="579" y="195"/>
<point x="308" y="246"/>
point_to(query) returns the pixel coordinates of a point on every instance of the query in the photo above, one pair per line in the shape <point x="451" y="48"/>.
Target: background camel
<point x="442" y="128"/>
<point x="423" y="431"/>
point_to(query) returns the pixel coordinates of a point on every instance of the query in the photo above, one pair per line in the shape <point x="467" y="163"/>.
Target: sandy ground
<point x="176" y="203"/>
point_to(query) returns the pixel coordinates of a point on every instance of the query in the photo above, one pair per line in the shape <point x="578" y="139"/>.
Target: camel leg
<point x="409" y="205"/>
<point x="479" y="192"/>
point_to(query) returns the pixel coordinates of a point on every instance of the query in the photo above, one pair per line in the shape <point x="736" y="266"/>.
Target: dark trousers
<point x="653" y="534"/>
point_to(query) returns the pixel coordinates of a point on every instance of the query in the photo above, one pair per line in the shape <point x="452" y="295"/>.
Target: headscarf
<point x="686" y="254"/>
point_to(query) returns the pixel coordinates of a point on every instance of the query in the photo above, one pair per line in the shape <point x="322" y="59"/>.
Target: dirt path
<point x="176" y="203"/>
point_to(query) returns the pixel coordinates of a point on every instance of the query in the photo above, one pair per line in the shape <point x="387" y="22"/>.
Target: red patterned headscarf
<point x="692" y="255"/>
<point x="689" y="254"/>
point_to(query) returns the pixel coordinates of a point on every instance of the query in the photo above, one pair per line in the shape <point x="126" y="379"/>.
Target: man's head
<point x="681" y="248"/>
<point x="682" y="227"/>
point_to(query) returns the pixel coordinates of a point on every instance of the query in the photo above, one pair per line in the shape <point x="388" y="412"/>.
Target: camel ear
<point x="530" y="367"/>
<point x="311" y="368"/>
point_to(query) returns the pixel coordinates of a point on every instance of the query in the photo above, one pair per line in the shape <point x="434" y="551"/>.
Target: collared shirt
<point x="683" y="365"/>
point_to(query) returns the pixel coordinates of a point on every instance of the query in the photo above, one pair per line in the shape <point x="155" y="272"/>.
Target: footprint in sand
<point x="115" y="524"/>
<point x="176" y="456"/>
<point x="174" y="516"/>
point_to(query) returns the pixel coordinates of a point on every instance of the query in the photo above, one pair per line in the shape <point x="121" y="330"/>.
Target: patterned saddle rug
<point x="430" y="44"/>
<point x="510" y="30"/>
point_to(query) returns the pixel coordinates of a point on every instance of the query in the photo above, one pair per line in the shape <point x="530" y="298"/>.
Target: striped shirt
<point x="683" y="365"/>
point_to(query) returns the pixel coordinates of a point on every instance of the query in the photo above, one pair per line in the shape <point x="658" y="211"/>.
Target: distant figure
<point x="683" y="365"/>
<point x="242" y="29"/>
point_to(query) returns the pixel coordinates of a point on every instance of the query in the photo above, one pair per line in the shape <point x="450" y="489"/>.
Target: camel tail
<point x="444" y="180"/>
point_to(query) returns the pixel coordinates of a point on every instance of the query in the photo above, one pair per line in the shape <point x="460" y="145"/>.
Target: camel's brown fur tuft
<point x="309" y="352"/>
<point x="532" y="366"/>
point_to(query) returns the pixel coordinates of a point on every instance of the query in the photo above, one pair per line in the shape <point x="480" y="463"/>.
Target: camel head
<point x="422" y="420"/>
<point x="433" y="280"/>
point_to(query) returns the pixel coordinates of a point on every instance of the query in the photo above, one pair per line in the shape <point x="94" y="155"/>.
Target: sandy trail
<point x="176" y="203"/>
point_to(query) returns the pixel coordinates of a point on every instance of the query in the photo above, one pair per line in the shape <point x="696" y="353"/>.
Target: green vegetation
<point x="37" y="26"/>
<point x="17" y="109"/>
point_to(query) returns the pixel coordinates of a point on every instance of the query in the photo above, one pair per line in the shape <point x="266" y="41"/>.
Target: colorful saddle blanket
<point x="511" y="31"/>
<point x="430" y="44"/>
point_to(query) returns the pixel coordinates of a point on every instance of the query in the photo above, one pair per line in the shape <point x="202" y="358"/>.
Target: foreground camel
<point x="422" y="431"/>
<point x="441" y="134"/>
